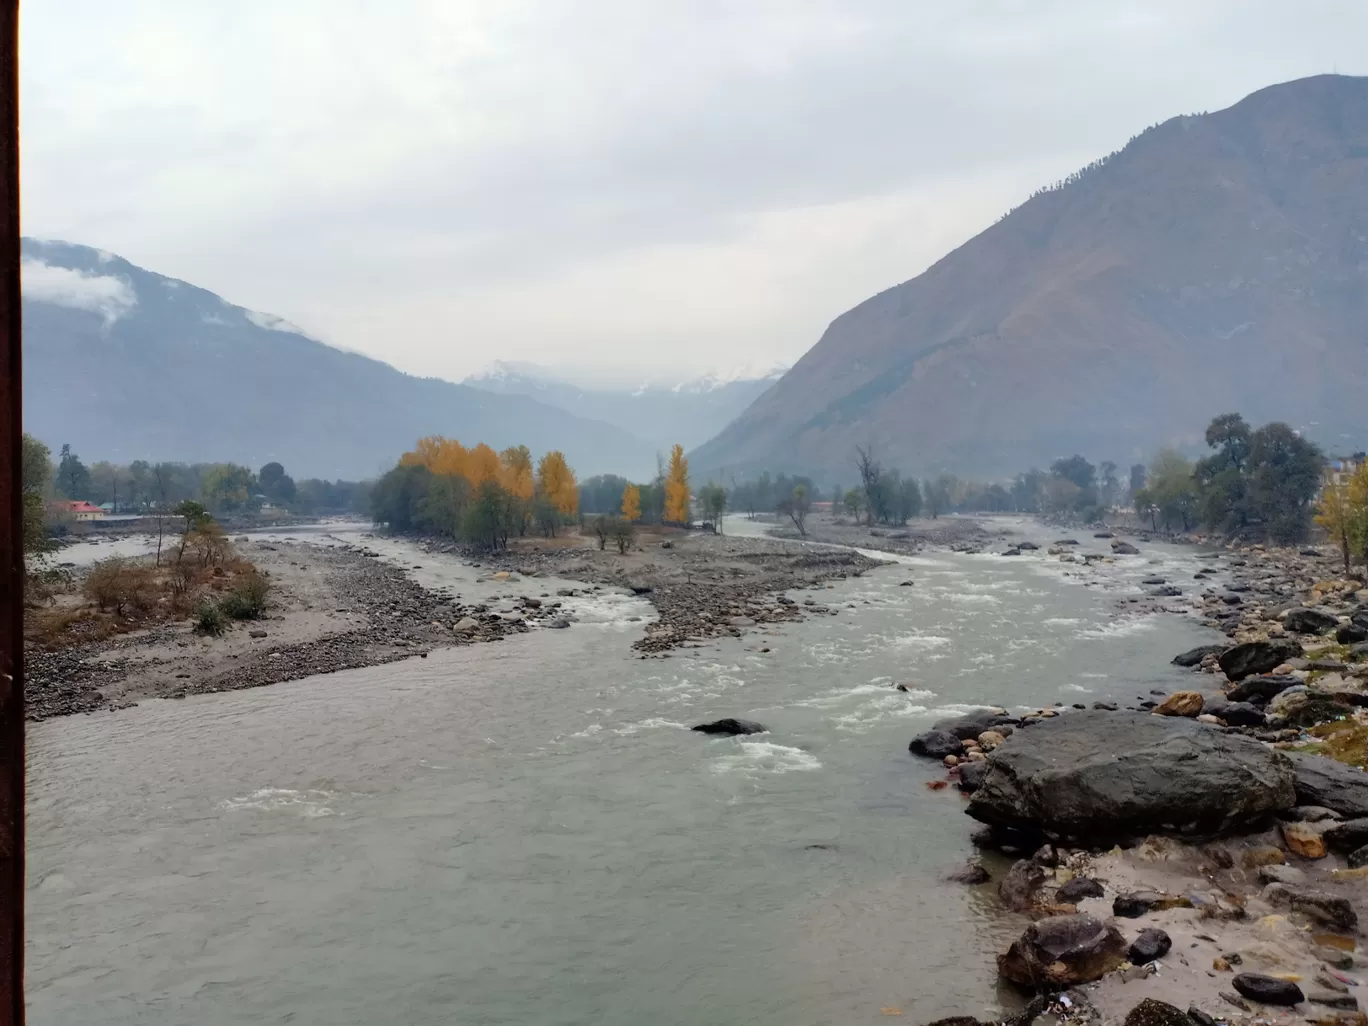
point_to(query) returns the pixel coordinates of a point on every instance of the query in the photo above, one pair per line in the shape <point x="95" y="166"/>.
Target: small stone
<point x="1077" y="889"/>
<point x="1304" y="839"/>
<point x="950" y="761"/>
<point x="1333" y="999"/>
<point x="1151" y="944"/>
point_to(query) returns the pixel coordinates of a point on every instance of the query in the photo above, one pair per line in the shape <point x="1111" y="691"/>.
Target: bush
<point x="210" y="619"/>
<point x="120" y="584"/>
<point x="623" y="533"/>
<point x="248" y="600"/>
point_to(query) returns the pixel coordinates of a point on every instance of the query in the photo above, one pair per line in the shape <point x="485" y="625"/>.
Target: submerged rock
<point x="1099" y="777"/>
<point x="730" y="726"/>
<point x="1022" y="883"/>
<point x="1063" y="951"/>
<point x="935" y="744"/>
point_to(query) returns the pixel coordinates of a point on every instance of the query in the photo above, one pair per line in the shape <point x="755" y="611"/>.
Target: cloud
<point x="625" y="186"/>
<point x="99" y="293"/>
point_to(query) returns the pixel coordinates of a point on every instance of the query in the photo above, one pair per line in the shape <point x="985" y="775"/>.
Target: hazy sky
<point x="631" y="187"/>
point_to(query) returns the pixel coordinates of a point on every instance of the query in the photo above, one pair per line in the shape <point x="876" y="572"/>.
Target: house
<point x="81" y="510"/>
<point x="1339" y="469"/>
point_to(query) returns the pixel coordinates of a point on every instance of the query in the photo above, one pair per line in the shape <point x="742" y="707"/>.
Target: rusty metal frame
<point x="11" y="538"/>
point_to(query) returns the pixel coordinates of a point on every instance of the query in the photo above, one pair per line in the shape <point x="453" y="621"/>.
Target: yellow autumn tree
<point x="1343" y="512"/>
<point x="556" y="483"/>
<point x="677" y="488"/>
<point x="631" y="503"/>
<point x="517" y="471"/>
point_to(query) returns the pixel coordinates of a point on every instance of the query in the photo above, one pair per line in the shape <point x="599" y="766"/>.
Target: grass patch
<point x="1344" y="741"/>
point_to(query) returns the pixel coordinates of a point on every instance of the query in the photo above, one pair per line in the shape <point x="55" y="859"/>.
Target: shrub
<point x="209" y="619"/>
<point x="248" y="600"/>
<point x="120" y="584"/>
<point x="623" y="532"/>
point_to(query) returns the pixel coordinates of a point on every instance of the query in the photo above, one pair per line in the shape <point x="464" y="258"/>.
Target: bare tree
<point x="870" y="473"/>
<point x="796" y="507"/>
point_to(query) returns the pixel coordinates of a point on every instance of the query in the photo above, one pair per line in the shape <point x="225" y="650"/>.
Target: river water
<point x="526" y="832"/>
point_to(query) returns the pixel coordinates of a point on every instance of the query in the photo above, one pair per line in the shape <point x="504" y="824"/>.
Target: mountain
<point x="1218" y="262"/>
<point x="126" y="364"/>
<point x="660" y="413"/>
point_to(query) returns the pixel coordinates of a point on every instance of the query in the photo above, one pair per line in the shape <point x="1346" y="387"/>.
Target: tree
<point x="1284" y="476"/>
<point x="1172" y="490"/>
<point x="194" y="516"/>
<point x="487" y="519"/>
<point x="227" y="487"/>
<point x="870" y="474"/>
<point x="556" y="485"/>
<point x="601" y="527"/>
<point x="1336" y="513"/>
<point x="1222" y="477"/>
<point x="677" y="488"/>
<point x="908" y="502"/>
<point x="854" y="502"/>
<point x="517" y="472"/>
<point x="938" y="495"/>
<point x="631" y="503"/>
<point x="73" y="479"/>
<point x="797" y="507"/>
<point x="623" y="533"/>
<point x="714" y="500"/>
<point x="1110" y="484"/>
<point x="36" y="474"/>
<point x="1137" y="477"/>
<point x="276" y="485"/>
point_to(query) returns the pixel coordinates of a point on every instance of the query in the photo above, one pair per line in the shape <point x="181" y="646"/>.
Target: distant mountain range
<point x="688" y="412"/>
<point x="127" y="364"/>
<point x="1218" y="262"/>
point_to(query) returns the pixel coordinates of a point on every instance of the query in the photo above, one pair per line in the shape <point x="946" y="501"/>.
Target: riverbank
<point x="331" y="607"/>
<point x="1223" y="824"/>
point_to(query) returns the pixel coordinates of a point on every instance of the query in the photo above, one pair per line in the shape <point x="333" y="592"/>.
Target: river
<point x="526" y="832"/>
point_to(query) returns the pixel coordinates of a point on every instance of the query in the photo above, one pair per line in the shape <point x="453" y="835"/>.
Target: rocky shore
<point x="331" y="608"/>
<point x="703" y="586"/>
<point x="1199" y="856"/>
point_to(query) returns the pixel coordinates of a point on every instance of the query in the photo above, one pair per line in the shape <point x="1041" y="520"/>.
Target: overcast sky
<point x="627" y="187"/>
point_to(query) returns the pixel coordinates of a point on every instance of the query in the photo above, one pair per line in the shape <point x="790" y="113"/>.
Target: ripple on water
<point x="309" y="804"/>
<point x="764" y="757"/>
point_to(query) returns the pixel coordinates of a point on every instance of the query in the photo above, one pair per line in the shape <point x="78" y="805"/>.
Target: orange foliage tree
<point x="556" y="483"/>
<point x="631" y="503"/>
<point x="677" y="488"/>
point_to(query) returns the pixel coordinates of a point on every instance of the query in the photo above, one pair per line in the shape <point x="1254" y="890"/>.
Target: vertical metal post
<point x="11" y="539"/>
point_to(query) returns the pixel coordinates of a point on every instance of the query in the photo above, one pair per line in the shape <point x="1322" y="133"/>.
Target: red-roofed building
<point x="81" y="510"/>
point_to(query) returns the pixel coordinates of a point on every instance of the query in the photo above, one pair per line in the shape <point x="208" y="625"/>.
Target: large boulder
<point x="1242" y="714"/>
<point x="1330" y="785"/>
<point x="1257" y="657"/>
<point x="1351" y="634"/>
<point x="1349" y="835"/>
<point x="1096" y="777"/>
<point x="1077" y="889"/>
<point x="1310" y="621"/>
<point x="1063" y="951"/>
<point x="1121" y="548"/>
<point x="970" y="725"/>
<point x="1194" y="656"/>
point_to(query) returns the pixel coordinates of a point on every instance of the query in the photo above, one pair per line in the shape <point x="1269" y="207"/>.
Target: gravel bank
<point x="331" y="608"/>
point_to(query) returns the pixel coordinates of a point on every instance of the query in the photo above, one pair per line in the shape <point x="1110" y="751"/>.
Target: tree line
<point x="144" y="487"/>
<point x="475" y="494"/>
